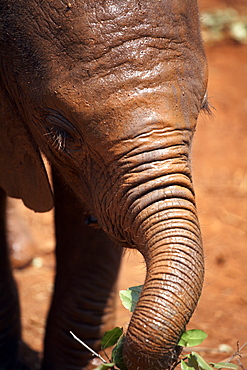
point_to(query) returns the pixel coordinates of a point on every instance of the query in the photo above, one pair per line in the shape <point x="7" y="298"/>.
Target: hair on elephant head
<point x="109" y="91"/>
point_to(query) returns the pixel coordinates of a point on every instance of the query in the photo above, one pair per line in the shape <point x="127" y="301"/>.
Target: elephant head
<point x="110" y="92"/>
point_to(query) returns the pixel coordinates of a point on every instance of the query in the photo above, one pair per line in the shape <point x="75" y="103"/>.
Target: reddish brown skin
<point x="110" y="92"/>
<point x="21" y="243"/>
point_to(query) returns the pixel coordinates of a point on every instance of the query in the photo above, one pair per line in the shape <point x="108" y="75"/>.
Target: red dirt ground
<point x="220" y="178"/>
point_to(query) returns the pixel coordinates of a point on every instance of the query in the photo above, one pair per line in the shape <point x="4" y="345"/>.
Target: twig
<point x="87" y="347"/>
<point x="240" y="364"/>
<point x="237" y="353"/>
<point x="106" y="355"/>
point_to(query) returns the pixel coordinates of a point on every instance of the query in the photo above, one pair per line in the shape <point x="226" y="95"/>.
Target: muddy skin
<point x="110" y="92"/>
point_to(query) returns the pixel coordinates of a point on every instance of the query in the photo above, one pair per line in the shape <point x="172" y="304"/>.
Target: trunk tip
<point x="135" y="358"/>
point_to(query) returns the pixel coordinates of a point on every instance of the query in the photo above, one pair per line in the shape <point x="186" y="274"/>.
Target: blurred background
<point x="220" y="178"/>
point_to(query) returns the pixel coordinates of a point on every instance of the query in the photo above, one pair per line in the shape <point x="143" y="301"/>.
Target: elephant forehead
<point x="100" y="47"/>
<point x="87" y="30"/>
<point x="127" y="102"/>
<point x="90" y="31"/>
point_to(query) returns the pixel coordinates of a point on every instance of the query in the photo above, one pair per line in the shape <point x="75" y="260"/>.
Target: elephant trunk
<point x="174" y="259"/>
<point x="153" y="209"/>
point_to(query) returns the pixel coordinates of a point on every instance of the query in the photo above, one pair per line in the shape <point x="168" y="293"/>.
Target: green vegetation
<point x="194" y="361"/>
<point x="190" y="338"/>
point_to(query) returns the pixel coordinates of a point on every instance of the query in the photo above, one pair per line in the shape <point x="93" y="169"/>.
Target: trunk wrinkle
<point x="153" y="142"/>
<point x="171" y="204"/>
<point x="183" y="225"/>
<point x="161" y="194"/>
<point x="177" y="169"/>
<point x="170" y="285"/>
<point x="156" y="177"/>
<point x="177" y="232"/>
<point x="159" y="212"/>
<point x="181" y="266"/>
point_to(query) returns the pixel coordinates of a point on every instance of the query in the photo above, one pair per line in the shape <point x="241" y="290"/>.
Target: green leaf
<point x="224" y="365"/>
<point x="192" y="338"/>
<point x="192" y="362"/>
<point x="185" y="366"/>
<point x="105" y="366"/>
<point x="117" y="354"/>
<point x="111" y="337"/>
<point x="202" y="364"/>
<point x="130" y="296"/>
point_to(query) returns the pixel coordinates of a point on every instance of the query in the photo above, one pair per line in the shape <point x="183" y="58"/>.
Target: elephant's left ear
<point x="22" y="171"/>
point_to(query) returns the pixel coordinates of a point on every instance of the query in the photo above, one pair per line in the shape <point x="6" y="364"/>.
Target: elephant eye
<point x="62" y="135"/>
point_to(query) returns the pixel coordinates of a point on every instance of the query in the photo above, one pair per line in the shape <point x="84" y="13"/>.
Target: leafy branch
<point x="189" y="338"/>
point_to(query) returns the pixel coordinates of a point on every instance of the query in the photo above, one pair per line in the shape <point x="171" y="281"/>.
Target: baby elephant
<point x="109" y="91"/>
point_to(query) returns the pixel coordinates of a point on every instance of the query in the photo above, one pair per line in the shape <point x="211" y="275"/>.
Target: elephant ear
<point x="22" y="171"/>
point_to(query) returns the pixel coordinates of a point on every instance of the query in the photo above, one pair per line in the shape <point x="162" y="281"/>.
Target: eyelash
<point x="57" y="138"/>
<point x="206" y="106"/>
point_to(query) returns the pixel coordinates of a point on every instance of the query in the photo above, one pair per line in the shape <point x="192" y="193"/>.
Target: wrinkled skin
<point x="110" y="92"/>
